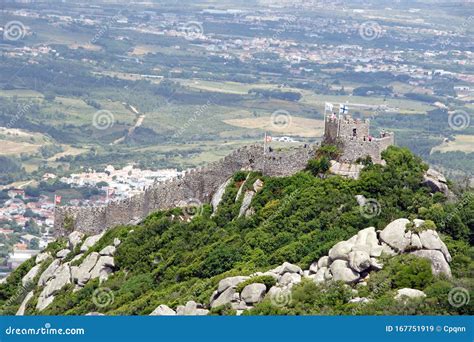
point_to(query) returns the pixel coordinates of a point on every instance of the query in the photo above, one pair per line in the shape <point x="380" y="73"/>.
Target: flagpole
<point x="265" y="143"/>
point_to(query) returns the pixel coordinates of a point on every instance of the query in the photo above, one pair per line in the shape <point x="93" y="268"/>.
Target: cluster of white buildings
<point x="120" y="183"/>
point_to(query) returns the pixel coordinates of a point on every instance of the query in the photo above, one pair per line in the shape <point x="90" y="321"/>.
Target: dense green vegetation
<point x="297" y="219"/>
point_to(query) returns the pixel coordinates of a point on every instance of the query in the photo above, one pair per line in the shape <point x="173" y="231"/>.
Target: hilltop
<point x="293" y="238"/>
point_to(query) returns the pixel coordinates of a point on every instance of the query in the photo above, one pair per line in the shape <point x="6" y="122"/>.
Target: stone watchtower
<point x="353" y="136"/>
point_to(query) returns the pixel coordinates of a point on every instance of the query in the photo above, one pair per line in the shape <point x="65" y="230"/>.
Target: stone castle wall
<point x="354" y="149"/>
<point x="344" y="127"/>
<point x="197" y="185"/>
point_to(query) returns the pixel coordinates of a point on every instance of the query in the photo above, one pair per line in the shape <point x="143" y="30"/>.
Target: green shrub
<point x="267" y="280"/>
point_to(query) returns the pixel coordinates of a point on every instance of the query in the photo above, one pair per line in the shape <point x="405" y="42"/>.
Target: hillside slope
<point x="182" y="260"/>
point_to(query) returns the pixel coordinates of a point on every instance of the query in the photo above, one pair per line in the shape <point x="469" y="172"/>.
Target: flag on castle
<point x="57" y="199"/>
<point x="268" y="138"/>
<point x="343" y="109"/>
<point x="110" y="193"/>
<point x="328" y="107"/>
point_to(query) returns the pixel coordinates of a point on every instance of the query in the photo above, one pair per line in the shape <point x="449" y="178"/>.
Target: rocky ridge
<point x="60" y="273"/>
<point x="349" y="261"/>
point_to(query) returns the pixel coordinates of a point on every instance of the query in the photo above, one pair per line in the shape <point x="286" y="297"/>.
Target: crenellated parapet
<point x="196" y="185"/>
<point x="355" y="139"/>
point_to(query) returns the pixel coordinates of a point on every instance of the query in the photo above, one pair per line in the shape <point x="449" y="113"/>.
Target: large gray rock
<point x="102" y="263"/>
<point x="323" y="262"/>
<point x="61" y="278"/>
<point x="340" y="270"/>
<point x="104" y="274"/>
<point x="75" y="238"/>
<point x="225" y="283"/>
<point x="22" y="308"/>
<point x="63" y="253"/>
<point x="224" y="298"/>
<point x="217" y="197"/>
<point x="49" y="272"/>
<point x="439" y="265"/>
<point x="319" y="276"/>
<point x="42" y="257"/>
<point x="91" y="241"/>
<point x="409" y="293"/>
<point x="341" y="250"/>
<point x="431" y="240"/>
<point x="248" y="196"/>
<point x="395" y="236"/>
<point x="192" y="309"/>
<point x="108" y="251"/>
<point x="313" y="268"/>
<point x="31" y="275"/>
<point x="289" y="279"/>
<point x="415" y="242"/>
<point x="82" y="274"/>
<point x="359" y="300"/>
<point x="286" y="267"/>
<point x="163" y="310"/>
<point x="367" y="241"/>
<point x="258" y="185"/>
<point x="43" y="302"/>
<point x="436" y="182"/>
<point x="253" y="293"/>
<point x="359" y="260"/>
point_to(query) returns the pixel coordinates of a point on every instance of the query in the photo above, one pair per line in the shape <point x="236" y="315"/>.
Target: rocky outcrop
<point x="287" y="267"/>
<point x="248" y="196"/>
<point x="396" y="236"/>
<point x="439" y="265"/>
<point x="49" y="272"/>
<point x="436" y="182"/>
<point x="59" y="273"/>
<point x="42" y="257"/>
<point x="91" y="241"/>
<point x="349" y="261"/>
<point x="163" y="310"/>
<point x="63" y="253"/>
<point x="219" y="194"/>
<point x="32" y="273"/>
<point x="74" y="239"/>
<point x="108" y="251"/>
<point x="191" y="309"/>
<point x="62" y="277"/>
<point x="253" y="293"/>
<point x="405" y="293"/>
<point x="225" y="293"/>
<point x="22" y="308"/>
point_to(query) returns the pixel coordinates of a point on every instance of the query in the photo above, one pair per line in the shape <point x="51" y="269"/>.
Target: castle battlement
<point x="355" y="139"/>
<point x="195" y="186"/>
